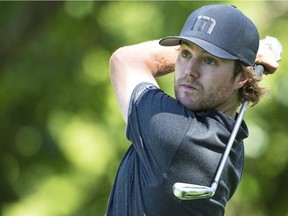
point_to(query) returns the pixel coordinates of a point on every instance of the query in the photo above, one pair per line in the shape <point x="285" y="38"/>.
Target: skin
<point x="203" y="81"/>
<point x="266" y="57"/>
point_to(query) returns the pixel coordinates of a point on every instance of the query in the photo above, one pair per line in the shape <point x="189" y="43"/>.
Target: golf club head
<point x="191" y="191"/>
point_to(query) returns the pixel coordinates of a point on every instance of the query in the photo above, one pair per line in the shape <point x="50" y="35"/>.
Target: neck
<point x="230" y="109"/>
<point x="230" y="113"/>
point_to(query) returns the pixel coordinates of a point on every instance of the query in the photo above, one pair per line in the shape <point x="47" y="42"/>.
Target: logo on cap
<point x="204" y="24"/>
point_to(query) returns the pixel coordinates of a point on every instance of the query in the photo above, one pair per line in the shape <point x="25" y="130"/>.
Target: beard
<point x="193" y="95"/>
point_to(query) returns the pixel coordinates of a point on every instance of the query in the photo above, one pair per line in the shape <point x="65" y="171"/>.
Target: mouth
<point x="189" y="87"/>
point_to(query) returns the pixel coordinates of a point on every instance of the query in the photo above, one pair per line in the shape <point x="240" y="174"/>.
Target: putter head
<point x="191" y="191"/>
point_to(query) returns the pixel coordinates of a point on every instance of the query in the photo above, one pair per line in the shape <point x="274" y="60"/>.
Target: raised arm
<point x="138" y="63"/>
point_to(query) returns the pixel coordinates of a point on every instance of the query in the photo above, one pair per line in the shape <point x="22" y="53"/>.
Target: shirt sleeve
<point x="157" y="124"/>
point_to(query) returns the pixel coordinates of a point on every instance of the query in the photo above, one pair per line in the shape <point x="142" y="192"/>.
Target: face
<point x="203" y="81"/>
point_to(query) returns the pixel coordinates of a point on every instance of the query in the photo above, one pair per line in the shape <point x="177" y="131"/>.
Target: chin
<point x="190" y="105"/>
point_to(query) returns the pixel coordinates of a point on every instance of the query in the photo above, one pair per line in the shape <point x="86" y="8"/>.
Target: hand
<point x="267" y="58"/>
<point x="269" y="54"/>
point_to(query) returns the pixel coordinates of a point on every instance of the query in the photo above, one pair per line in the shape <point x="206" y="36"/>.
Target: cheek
<point x="222" y="80"/>
<point x="180" y="66"/>
<point x="225" y="88"/>
<point x="178" y="70"/>
<point x="216" y="89"/>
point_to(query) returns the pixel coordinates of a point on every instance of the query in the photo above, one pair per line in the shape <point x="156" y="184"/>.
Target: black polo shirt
<point x="172" y="144"/>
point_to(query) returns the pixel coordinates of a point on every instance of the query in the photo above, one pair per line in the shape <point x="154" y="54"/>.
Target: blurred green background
<point x="62" y="136"/>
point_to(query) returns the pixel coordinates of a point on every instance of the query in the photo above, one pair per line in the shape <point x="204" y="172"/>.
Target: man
<point x="183" y="139"/>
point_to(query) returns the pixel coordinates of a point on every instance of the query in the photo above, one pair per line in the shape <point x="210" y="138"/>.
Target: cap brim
<point x="208" y="47"/>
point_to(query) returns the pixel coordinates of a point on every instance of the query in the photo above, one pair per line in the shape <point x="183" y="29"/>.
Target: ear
<point x="241" y="79"/>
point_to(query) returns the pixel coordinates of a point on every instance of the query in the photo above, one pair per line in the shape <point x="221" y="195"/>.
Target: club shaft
<point x="258" y="71"/>
<point x="230" y="142"/>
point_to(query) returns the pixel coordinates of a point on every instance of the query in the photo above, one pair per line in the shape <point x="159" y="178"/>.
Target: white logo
<point x="204" y="24"/>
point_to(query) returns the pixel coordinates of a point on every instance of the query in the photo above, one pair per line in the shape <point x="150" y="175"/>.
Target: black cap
<point x="221" y="30"/>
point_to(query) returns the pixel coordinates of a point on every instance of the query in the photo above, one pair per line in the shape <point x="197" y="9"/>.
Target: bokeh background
<point x="61" y="134"/>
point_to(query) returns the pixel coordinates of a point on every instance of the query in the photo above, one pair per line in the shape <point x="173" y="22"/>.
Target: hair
<point x="251" y="91"/>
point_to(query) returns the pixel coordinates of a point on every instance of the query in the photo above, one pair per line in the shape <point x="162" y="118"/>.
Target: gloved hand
<point x="269" y="54"/>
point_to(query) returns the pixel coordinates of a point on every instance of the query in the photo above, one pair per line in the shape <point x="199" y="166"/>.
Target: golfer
<point x="183" y="139"/>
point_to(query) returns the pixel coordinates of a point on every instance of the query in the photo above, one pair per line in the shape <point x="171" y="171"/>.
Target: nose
<point x="193" y="69"/>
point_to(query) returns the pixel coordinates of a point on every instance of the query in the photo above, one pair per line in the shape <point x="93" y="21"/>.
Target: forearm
<point x="159" y="60"/>
<point x="151" y="56"/>
<point x="138" y="63"/>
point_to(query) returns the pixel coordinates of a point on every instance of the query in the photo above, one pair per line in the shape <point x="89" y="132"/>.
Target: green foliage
<point x="62" y="135"/>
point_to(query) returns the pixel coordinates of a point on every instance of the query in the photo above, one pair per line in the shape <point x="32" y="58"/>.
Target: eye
<point x="185" y="54"/>
<point x="209" y="61"/>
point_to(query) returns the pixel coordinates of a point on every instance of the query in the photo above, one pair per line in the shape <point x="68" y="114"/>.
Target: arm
<point x="138" y="63"/>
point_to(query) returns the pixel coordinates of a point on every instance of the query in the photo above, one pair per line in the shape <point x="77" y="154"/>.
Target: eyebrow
<point x="190" y="46"/>
<point x="202" y="51"/>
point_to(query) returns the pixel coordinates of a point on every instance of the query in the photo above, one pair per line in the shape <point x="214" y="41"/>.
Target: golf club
<point x="185" y="191"/>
